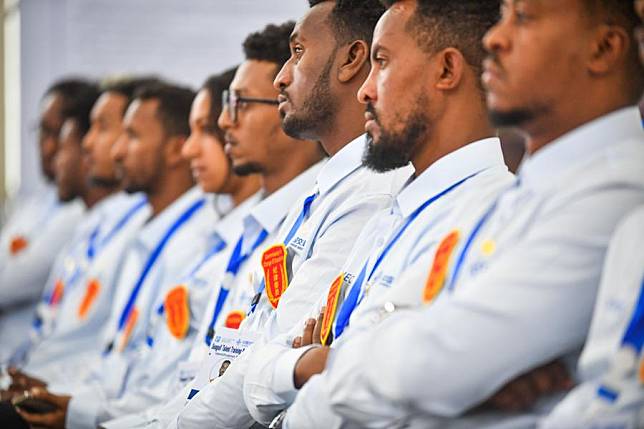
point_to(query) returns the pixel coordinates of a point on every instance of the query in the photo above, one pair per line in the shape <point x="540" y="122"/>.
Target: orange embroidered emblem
<point x="275" y="275"/>
<point x="18" y="244"/>
<point x="234" y="319"/>
<point x="331" y="307"/>
<point x="438" y="272"/>
<point x="91" y="293"/>
<point x="177" y="311"/>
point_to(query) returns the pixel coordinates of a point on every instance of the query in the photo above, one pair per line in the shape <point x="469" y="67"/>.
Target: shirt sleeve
<point x="23" y="276"/>
<point x="444" y="359"/>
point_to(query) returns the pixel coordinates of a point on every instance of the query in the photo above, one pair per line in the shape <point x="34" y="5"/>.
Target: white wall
<point x="183" y="40"/>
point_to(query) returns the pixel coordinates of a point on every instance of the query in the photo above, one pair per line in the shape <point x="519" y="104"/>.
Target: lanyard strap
<point x="234" y="264"/>
<point x="185" y="217"/>
<point x="460" y="260"/>
<point x="352" y="300"/>
<point x="93" y="249"/>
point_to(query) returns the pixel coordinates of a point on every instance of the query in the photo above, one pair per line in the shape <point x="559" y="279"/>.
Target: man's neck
<point x="95" y="194"/>
<point x="249" y="186"/>
<point x="287" y="171"/>
<point x="167" y="191"/>
<point x="347" y="125"/>
<point x="446" y="137"/>
<point x="558" y="122"/>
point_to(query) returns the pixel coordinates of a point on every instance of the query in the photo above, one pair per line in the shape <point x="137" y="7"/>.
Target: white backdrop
<point x="183" y="40"/>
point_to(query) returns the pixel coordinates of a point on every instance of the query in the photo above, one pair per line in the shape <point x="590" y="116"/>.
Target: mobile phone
<point x="33" y="405"/>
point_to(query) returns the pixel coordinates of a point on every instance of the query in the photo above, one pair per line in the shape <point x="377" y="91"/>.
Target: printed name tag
<point x="226" y="345"/>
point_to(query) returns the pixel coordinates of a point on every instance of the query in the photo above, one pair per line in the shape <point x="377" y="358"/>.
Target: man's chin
<point x="247" y="169"/>
<point x="509" y="118"/>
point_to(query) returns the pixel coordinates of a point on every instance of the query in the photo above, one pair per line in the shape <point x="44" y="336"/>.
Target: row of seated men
<point x="328" y="236"/>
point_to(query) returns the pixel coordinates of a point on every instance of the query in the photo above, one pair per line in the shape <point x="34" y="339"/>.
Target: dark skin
<point x="51" y="121"/>
<point x="312" y="45"/>
<point x="593" y="75"/>
<point x="450" y="84"/>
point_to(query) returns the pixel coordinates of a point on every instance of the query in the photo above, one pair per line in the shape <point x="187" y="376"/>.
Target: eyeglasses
<point x="231" y="102"/>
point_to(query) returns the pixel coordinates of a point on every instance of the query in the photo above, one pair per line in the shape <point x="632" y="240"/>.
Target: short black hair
<point x="216" y="85"/>
<point x="174" y="105"/>
<point x="461" y="24"/>
<point x="78" y="95"/>
<point x="353" y="19"/>
<point x="128" y="86"/>
<point x="271" y="44"/>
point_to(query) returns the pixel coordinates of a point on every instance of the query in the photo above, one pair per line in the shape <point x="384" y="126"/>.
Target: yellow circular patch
<point x="488" y="247"/>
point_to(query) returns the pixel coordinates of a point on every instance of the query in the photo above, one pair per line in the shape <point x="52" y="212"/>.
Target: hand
<point x="312" y="331"/>
<point x="524" y="391"/>
<point x="310" y="363"/>
<point x="53" y="420"/>
<point x="21" y="381"/>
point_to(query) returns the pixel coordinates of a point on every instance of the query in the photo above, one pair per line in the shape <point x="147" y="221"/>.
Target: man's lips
<point x="491" y="71"/>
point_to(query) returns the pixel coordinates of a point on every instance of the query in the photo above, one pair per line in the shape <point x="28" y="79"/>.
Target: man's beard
<point x="247" y="169"/>
<point x="510" y="118"/>
<point x="317" y="112"/>
<point x="104" y="182"/>
<point x="394" y="150"/>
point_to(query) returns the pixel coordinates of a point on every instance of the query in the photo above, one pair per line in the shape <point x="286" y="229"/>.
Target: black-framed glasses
<point x="231" y="101"/>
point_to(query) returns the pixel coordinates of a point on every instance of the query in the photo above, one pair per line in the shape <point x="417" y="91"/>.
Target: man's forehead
<point x="253" y="76"/>
<point x="314" y="22"/>
<point x="392" y="23"/>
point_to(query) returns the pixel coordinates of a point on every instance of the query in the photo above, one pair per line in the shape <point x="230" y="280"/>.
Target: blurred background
<point x="43" y="40"/>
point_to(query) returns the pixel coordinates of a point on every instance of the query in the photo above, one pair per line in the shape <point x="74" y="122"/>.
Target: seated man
<point x="520" y="289"/>
<point x="39" y="227"/>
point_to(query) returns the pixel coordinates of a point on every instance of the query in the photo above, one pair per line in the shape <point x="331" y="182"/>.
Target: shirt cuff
<point x="82" y="412"/>
<point x="283" y="380"/>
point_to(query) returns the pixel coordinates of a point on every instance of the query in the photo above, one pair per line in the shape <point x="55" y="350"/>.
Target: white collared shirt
<point x="524" y="294"/>
<point x="622" y="285"/>
<point x="267" y="215"/>
<point x="452" y="190"/>
<point x="190" y="240"/>
<point x="46" y="225"/>
<point x="70" y="335"/>
<point x="347" y="195"/>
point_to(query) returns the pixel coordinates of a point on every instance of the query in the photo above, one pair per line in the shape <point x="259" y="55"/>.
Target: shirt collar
<point x="340" y="165"/>
<point x="229" y="228"/>
<point x="449" y="170"/>
<point x="270" y="212"/>
<point x="155" y="228"/>
<point x="580" y="145"/>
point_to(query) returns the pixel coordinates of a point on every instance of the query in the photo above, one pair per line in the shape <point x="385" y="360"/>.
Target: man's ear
<point x="608" y="49"/>
<point x="172" y="150"/>
<point x="352" y="58"/>
<point x="450" y="68"/>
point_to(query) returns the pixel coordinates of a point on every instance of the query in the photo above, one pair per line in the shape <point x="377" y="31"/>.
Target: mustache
<point x="370" y="109"/>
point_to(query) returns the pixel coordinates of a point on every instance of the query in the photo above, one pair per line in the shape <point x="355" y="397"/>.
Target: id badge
<point x="226" y="346"/>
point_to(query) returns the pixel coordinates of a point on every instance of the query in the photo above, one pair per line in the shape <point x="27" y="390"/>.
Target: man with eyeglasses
<point x="38" y="226"/>
<point x="250" y="127"/>
<point x="317" y="93"/>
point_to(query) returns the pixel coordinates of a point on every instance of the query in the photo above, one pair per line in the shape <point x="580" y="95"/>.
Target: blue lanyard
<point x="125" y="314"/>
<point x="633" y="338"/>
<point x="218" y="247"/>
<point x="92" y="249"/>
<point x="296" y="226"/>
<point x="234" y="264"/>
<point x="470" y="239"/>
<point x="352" y="301"/>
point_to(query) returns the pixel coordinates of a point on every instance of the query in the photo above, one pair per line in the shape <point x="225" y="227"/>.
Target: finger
<point x="35" y="419"/>
<point x="317" y="332"/>
<point x="307" y="335"/>
<point x="297" y="342"/>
